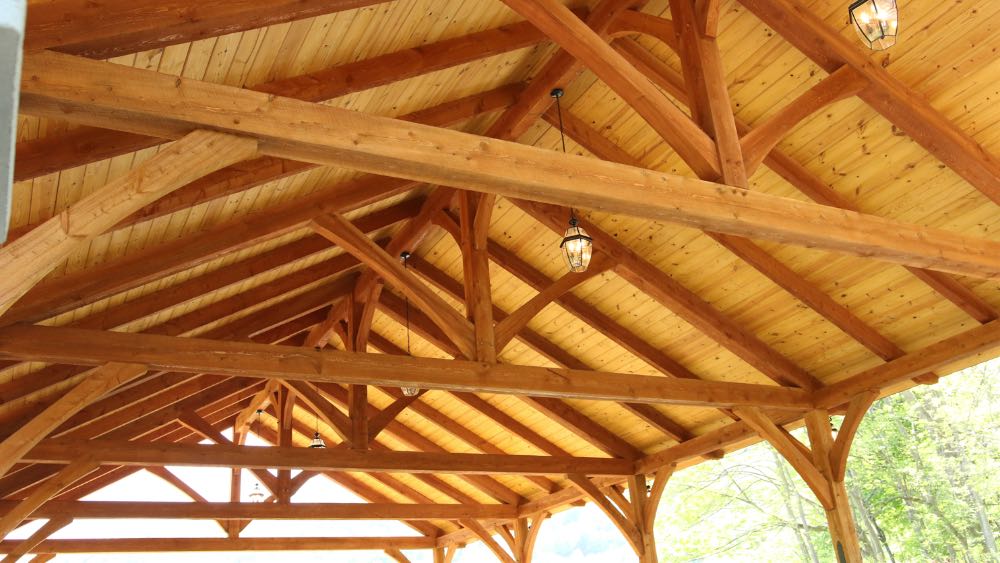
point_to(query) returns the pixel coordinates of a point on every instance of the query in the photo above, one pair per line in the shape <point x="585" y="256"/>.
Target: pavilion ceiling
<point x="245" y="254"/>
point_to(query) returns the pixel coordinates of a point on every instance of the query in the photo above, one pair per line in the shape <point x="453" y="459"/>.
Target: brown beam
<point x="155" y="545"/>
<point x="59" y="85"/>
<point x="219" y="455"/>
<point x="119" y="27"/>
<point x="259" y="360"/>
<point x="267" y="511"/>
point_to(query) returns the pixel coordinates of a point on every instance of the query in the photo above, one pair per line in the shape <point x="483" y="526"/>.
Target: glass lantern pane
<point x="876" y="22"/>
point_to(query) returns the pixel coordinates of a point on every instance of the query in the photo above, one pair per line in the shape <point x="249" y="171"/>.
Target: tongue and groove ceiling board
<point x="236" y="255"/>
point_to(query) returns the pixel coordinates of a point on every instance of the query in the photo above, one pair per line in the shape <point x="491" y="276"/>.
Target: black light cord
<point x="406" y="256"/>
<point x="557" y="94"/>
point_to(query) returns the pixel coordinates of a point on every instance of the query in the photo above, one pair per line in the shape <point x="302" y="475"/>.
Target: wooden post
<point x="522" y="534"/>
<point x="445" y="554"/>
<point x="286" y="401"/>
<point x="632" y="516"/>
<point x="475" y="212"/>
<point x="822" y="466"/>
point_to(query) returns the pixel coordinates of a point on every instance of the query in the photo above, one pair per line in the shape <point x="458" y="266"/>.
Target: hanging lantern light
<point x="408" y="391"/>
<point x="876" y="22"/>
<point x="577" y="247"/>
<point x="317" y="442"/>
<point x="256" y="495"/>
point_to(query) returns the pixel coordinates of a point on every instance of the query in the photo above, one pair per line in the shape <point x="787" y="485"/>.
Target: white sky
<point x="578" y="535"/>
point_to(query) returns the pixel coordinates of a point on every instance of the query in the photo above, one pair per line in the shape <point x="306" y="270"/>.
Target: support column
<point x="521" y="535"/>
<point x="474" y="220"/>
<point x="484" y="536"/>
<point x="445" y="554"/>
<point x="823" y="465"/>
<point x="284" y="406"/>
<point x="633" y="516"/>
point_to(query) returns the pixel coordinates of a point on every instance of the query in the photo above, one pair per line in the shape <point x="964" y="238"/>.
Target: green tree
<point x="923" y="479"/>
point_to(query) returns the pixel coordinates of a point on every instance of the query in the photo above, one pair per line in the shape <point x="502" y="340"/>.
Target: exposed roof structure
<point x="212" y="198"/>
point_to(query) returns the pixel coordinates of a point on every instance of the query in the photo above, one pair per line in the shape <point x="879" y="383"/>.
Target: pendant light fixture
<point x="577" y="246"/>
<point x="256" y="428"/>
<point x="407" y="391"/>
<point x="256" y="495"/>
<point x="876" y="21"/>
<point x="317" y="441"/>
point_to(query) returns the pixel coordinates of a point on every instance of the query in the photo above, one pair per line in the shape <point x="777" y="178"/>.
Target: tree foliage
<point x="923" y="479"/>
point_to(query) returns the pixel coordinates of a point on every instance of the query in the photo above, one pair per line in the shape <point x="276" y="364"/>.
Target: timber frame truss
<point x="115" y="401"/>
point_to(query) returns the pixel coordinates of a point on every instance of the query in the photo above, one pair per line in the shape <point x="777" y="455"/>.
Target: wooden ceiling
<point x="785" y="224"/>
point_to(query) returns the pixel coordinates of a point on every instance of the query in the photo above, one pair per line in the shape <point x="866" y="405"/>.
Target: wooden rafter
<point x="56" y="522"/>
<point x="95" y="383"/>
<point x="32" y="257"/>
<point x="120" y="27"/>
<point x="74" y="470"/>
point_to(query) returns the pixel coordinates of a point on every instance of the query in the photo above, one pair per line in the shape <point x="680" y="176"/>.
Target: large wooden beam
<point x="897" y="102"/>
<point x="221" y="455"/>
<point x="96" y="383"/>
<point x="267" y="511"/>
<point x="118" y="27"/>
<point x="63" y="345"/>
<point x="155" y="545"/>
<point x="67" y="87"/>
<point x="75" y="289"/>
<point x="88" y="144"/>
<point x="33" y="256"/>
